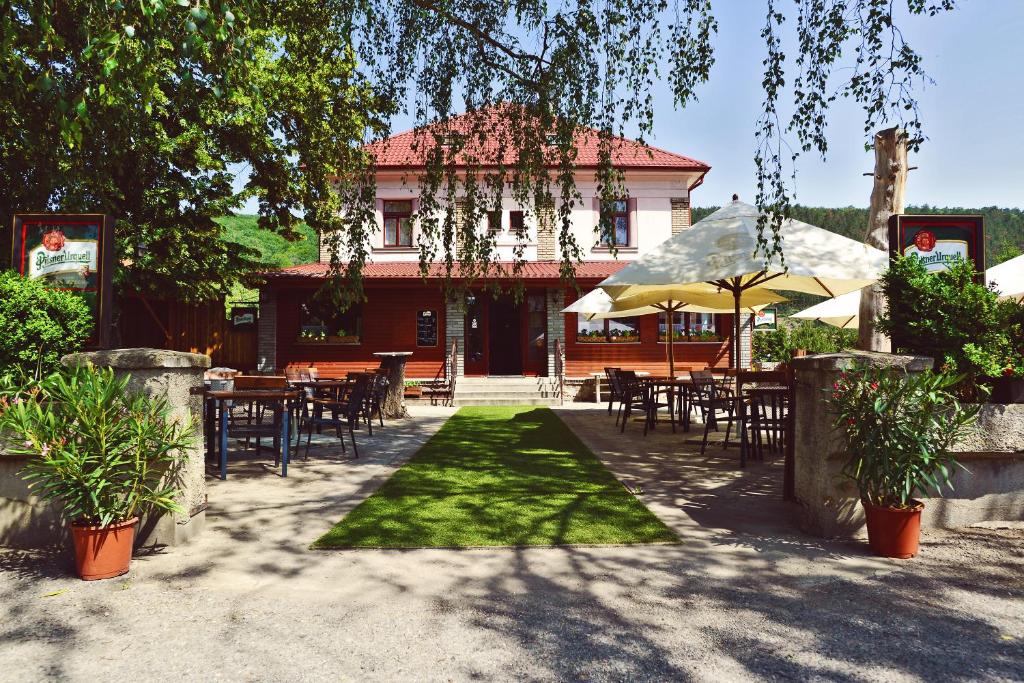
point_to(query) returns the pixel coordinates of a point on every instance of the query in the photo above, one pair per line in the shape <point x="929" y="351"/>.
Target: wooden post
<point x="887" y="197"/>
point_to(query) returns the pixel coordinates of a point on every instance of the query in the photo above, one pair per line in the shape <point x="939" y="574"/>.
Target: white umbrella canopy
<point x="842" y="312"/>
<point x="1008" y="278"/>
<point x="718" y="254"/>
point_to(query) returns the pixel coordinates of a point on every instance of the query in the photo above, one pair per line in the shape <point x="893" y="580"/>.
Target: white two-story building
<point x="497" y="335"/>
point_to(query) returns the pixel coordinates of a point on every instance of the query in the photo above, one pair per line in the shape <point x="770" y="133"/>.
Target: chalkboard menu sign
<point x="426" y="328"/>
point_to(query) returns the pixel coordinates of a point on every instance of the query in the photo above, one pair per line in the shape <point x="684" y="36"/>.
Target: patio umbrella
<point x="597" y="305"/>
<point x="1008" y="278"/>
<point x="718" y="254"/>
<point x="842" y="312"/>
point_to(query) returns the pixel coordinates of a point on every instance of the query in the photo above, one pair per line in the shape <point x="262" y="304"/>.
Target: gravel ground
<point x="744" y="597"/>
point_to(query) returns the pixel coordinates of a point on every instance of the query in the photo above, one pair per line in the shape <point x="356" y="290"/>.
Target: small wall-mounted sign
<point x="73" y="252"/>
<point x="938" y="240"/>
<point x="243" y="317"/>
<point x="766" y="319"/>
<point x="426" y="328"/>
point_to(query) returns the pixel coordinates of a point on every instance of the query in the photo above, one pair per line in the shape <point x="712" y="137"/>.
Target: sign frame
<point x="100" y="337"/>
<point x="972" y="227"/>
<point x="767" y="327"/>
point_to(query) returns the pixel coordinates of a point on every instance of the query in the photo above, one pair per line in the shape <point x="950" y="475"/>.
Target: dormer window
<point x="397" y="223"/>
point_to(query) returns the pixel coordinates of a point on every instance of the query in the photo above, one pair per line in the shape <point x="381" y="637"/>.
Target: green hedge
<point x="38" y="325"/>
<point x="778" y="345"/>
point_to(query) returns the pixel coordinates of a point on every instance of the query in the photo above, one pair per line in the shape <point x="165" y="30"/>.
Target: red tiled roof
<point x="398" y="270"/>
<point x="402" y="151"/>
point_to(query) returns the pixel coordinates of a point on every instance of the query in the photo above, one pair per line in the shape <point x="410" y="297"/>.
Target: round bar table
<point x="394" y="401"/>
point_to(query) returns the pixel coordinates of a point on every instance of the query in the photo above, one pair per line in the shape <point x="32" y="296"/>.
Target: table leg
<point x="672" y="407"/>
<point x="210" y="426"/>
<point x="597" y="389"/>
<point x="223" y="441"/>
<point x="286" y="438"/>
<point x="743" y="432"/>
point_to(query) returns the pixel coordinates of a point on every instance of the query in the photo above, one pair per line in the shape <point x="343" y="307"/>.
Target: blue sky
<point x="973" y="114"/>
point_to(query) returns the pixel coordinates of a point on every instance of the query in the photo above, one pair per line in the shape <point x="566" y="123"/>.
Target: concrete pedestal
<point x="173" y="374"/>
<point x="991" y="489"/>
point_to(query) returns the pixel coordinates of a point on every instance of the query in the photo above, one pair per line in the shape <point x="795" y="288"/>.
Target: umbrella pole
<point x="736" y="326"/>
<point x="670" y="313"/>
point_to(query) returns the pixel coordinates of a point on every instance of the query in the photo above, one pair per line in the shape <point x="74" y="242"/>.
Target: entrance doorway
<point x="504" y="337"/>
<point x="506" y="356"/>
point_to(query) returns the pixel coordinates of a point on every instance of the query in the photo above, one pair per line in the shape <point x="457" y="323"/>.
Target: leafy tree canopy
<point x="139" y="108"/>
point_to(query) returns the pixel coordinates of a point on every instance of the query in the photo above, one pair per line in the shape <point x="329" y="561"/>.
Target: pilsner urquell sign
<point x="70" y="252"/>
<point x="938" y="240"/>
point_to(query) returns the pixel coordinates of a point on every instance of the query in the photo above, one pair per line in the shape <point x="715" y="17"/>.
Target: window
<point x="398" y="223"/>
<point x="688" y="327"/>
<point x="494" y="221"/>
<point x="322" y="322"/>
<point x="516" y="224"/>
<point x="678" y="327"/>
<point x="615" y="331"/>
<point x="615" y="223"/>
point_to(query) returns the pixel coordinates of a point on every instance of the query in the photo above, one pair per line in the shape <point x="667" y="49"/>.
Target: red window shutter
<point x="633" y="224"/>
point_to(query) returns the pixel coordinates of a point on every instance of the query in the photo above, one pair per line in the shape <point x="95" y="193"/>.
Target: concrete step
<point x="488" y="393"/>
<point x="505" y="401"/>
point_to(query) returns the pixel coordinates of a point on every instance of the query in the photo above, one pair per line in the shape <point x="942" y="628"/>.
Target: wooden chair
<point x="344" y="410"/>
<point x="614" y="388"/>
<point x="713" y="400"/>
<point x="635" y="395"/>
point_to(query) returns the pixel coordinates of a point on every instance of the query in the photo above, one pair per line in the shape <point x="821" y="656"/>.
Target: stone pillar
<point x="556" y="324"/>
<point x="455" y="329"/>
<point x="156" y="372"/>
<point x="830" y="502"/>
<point x="746" y="340"/>
<point x="266" y="332"/>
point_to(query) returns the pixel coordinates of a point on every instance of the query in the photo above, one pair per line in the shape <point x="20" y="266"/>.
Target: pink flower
<point x="851" y="421"/>
<point x="45" y="450"/>
<point x="874" y="386"/>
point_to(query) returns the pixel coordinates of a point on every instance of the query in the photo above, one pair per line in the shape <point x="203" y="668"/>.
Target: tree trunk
<point x="393" y="405"/>
<point x="887" y="197"/>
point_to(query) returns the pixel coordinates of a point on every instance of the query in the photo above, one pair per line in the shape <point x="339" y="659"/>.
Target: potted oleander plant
<point x="900" y="428"/>
<point x="104" y="455"/>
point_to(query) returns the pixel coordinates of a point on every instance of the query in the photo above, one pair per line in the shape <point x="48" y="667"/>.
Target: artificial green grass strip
<point x="499" y="476"/>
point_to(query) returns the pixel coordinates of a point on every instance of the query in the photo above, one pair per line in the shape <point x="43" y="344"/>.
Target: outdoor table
<point x="220" y="398"/>
<point x="393" y="404"/>
<point x="677" y="387"/>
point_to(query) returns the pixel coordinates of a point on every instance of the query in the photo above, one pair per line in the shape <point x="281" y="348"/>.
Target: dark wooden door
<point x="505" y="345"/>
<point x="476" y="336"/>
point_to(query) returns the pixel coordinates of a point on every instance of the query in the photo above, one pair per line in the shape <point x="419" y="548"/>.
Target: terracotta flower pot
<point x="103" y="552"/>
<point x="894" y="532"/>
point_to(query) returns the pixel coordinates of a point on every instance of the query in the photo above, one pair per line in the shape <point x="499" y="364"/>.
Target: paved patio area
<point x="745" y="596"/>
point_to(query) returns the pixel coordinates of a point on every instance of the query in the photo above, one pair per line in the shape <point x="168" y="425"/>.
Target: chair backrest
<point x="250" y="382"/>
<point x="761" y="377"/>
<point x="613" y="379"/>
<point x="357" y="395"/>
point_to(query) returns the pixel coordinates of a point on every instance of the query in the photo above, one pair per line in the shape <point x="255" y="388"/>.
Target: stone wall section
<point x="266" y="332"/>
<point x="546" y="237"/>
<point x="680" y="214"/>
<point x="556" y="324"/>
<point x="455" y="329"/>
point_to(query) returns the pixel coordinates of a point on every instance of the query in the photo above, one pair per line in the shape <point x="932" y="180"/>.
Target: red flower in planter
<point x="1009" y="371"/>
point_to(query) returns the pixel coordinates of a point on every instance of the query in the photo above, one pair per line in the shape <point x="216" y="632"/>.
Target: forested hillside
<point x="1004" y="228"/>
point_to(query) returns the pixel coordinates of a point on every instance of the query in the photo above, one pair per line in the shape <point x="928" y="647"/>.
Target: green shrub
<point x="777" y="346"/>
<point x="899" y="430"/>
<point x="38" y="325"/>
<point x="948" y="316"/>
<point x="103" y="454"/>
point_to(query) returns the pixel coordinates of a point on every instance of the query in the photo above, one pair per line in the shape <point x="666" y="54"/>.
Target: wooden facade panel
<point x="178" y="326"/>
<point x="388" y="324"/>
